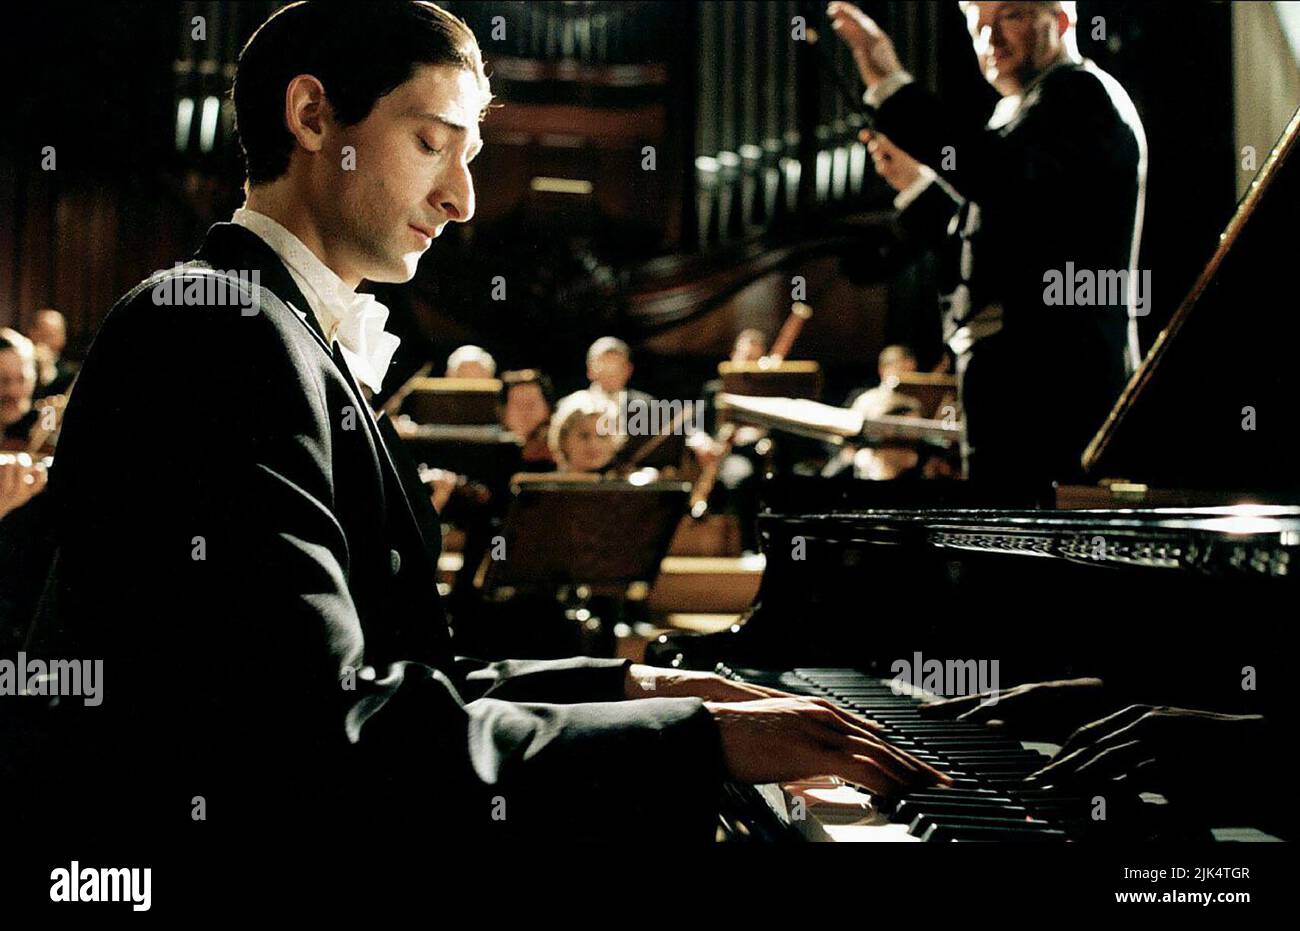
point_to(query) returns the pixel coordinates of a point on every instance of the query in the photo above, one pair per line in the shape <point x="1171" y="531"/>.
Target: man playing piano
<point x="274" y="648"/>
<point x="1053" y="182"/>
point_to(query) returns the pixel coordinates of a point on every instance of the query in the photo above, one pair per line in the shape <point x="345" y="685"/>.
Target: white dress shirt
<point x="355" y="321"/>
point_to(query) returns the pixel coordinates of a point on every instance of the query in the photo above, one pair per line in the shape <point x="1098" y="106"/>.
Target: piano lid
<point x="1215" y="405"/>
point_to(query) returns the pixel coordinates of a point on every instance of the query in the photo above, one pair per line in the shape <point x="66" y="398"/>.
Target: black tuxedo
<point x="258" y="574"/>
<point x="1062" y="182"/>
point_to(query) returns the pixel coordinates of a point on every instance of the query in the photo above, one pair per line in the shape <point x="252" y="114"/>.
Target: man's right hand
<point x="873" y="51"/>
<point x="788" y="739"/>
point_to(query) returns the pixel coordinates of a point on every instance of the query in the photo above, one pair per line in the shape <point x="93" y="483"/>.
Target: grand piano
<point x="1171" y="578"/>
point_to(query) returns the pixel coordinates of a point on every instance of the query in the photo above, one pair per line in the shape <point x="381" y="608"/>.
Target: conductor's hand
<point x="787" y="739"/>
<point x="872" y="49"/>
<point x="899" y="169"/>
<point x="1035" y="710"/>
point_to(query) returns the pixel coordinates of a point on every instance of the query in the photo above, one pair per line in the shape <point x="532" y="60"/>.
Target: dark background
<point x="658" y="257"/>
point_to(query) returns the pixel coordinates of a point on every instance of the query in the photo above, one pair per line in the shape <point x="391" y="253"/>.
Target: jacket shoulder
<point x="191" y="321"/>
<point x="1086" y="84"/>
<point x="192" y="299"/>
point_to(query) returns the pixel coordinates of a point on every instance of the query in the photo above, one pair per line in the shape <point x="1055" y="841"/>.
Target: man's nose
<point x="455" y="197"/>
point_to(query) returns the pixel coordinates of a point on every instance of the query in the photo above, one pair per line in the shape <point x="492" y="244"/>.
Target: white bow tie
<point x="358" y="325"/>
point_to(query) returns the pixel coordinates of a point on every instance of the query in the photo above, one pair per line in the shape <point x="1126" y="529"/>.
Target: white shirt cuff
<point x="877" y="95"/>
<point x="915" y="189"/>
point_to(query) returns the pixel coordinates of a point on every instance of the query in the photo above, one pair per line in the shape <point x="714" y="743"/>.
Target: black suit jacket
<point x="258" y="574"/>
<point x="1062" y="182"/>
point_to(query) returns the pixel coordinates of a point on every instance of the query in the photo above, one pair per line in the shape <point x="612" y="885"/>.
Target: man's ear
<point x="1062" y="23"/>
<point x="305" y="111"/>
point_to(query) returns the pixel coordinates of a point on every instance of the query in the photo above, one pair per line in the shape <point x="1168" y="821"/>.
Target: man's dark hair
<point x="527" y="377"/>
<point x="358" y="51"/>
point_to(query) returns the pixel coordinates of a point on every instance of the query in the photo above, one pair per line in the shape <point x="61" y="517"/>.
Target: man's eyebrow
<point x="439" y="118"/>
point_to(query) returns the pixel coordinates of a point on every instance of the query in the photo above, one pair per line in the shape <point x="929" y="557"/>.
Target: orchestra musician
<point x="609" y="369"/>
<point x="18" y="379"/>
<point x="738" y="465"/>
<point x="25" y="533"/>
<point x="582" y="434"/>
<point x="267" y="603"/>
<point x="1055" y="181"/>
<point x="49" y="334"/>
<point x="471" y="362"/>
<point x="887" y="462"/>
<point x="527" y="401"/>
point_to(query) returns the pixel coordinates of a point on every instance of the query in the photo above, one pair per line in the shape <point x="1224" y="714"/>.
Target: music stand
<point x="488" y="454"/>
<point x="836" y="425"/>
<point x="932" y="390"/>
<point x="454" y="401"/>
<point x="563" y="532"/>
<point x="772" y="380"/>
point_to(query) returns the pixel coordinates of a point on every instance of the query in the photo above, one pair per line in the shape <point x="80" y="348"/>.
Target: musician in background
<point x="750" y="345"/>
<point x="609" y="368"/>
<point x="740" y="469"/>
<point x="893" y="362"/>
<point x="883" y="463"/>
<point x="527" y="400"/>
<point x="1055" y="179"/>
<point x="582" y="434"/>
<point x="26" y="542"/>
<point x="471" y="362"/>
<point x="49" y="334"/>
<point x="18" y="378"/>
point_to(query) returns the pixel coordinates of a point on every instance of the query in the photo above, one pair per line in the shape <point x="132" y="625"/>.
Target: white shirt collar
<point x="356" y="321"/>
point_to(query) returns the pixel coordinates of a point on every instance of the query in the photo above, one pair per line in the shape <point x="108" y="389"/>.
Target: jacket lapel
<point x="231" y="246"/>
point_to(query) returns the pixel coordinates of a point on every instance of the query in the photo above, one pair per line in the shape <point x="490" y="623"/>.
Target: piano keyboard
<point x="988" y="801"/>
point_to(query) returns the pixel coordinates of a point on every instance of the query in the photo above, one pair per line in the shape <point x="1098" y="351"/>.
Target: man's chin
<point x="399" y="271"/>
<point x="1002" y="79"/>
